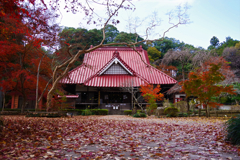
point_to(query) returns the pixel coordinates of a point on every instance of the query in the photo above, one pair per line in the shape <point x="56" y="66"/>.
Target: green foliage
<point x="128" y="112"/>
<point x="48" y="115"/>
<point x="171" y="111"/>
<point x="78" y="38"/>
<point x="153" y="54"/>
<point x="140" y="115"/>
<point x="235" y="97"/>
<point x="87" y="112"/>
<point x="152" y="105"/>
<point x="233" y="130"/>
<point x="111" y="32"/>
<point x="166" y="44"/>
<point x="126" y="37"/>
<point x="182" y="115"/>
<point x="140" y="111"/>
<point x="228" y="43"/>
<point x="99" y="111"/>
<point x="214" y="41"/>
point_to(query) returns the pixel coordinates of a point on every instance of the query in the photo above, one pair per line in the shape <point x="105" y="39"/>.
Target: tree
<point x="153" y="54"/>
<point x="128" y="87"/>
<point x="232" y="55"/>
<point x="228" y="43"/>
<point x="167" y="44"/>
<point x="203" y="84"/>
<point x="181" y="56"/>
<point x="151" y="95"/>
<point x="236" y="97"/>
<point x="111" y="33"/>
<point x="24" y="29"/>
<point x="127" y="37"/>
<point x="214" y="41"/>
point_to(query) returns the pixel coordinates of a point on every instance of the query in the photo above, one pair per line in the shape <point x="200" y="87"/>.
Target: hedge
<point x="171" y="111"/>
<point x="95" y="112"/>
<point x="140" y="115"/>
<point x="127" y="112"/>
<point x="49" y="115"/>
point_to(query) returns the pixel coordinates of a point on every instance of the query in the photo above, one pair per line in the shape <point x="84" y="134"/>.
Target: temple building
<point x="100" y="80"/>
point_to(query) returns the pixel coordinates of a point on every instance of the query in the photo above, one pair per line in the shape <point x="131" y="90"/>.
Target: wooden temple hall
<point x="102" y="79"/>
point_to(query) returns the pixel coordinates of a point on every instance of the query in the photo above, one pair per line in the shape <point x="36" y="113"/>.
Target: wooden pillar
<point x="99" y="96"/>
<point x="88" y="97"/>
<point x="14" y="104"/>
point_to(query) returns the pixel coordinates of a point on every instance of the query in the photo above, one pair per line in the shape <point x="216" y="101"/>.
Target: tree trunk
<point x="36" y="104"/>
<point x="49" y="99"/>
<point x="188" y="106"/>
<point x="199" y="111"/>
<point x="183" y="73"/>
<point x="24" y="103"/>
<point x="207" y="111"/>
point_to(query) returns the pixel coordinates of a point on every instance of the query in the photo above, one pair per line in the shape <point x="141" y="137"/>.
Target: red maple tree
<point x="151" y="95"/>
<point x="25" y="28"/>
<point x="149" y="89"/>
<point x="203" y="84"/>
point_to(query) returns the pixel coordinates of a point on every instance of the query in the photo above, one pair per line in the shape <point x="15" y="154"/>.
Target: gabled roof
<point x="116" y="59"/>
<point x="90" y="73"/>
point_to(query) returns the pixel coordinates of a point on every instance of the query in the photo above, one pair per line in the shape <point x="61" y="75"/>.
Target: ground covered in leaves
<point x="114" y="137"/>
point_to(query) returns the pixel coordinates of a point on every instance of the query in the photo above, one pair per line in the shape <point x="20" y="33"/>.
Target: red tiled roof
<point x="96" y="61"/>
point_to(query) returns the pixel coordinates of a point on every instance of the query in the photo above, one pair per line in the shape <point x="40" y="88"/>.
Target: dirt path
<point x="115" y="137"/>
<point x="171" y="143"/>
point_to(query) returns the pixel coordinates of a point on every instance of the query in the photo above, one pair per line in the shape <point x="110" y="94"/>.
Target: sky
<point x="208" y="18"/>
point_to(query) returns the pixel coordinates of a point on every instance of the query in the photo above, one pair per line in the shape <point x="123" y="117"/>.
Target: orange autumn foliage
<point x="203" y="84"/>
<point x="154" y="92"/>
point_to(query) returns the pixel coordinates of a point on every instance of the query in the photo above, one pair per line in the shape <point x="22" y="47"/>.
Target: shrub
<point x="49" y="115"/>
<point x="182" y="115"/>
<point x="171" y="111"/>
<point x="140" y="115"/>
<point x="128" y="112"/>
<point x="167" y="104"/>
<point x="233" y="130"/>
<point x="181" y="106"/>
<point x="159" y="112"/>
<point x="140" y="111"/>
<point x="99" y="111"/>
<point x="94" y="111"/>
<point x="86" y="112"/>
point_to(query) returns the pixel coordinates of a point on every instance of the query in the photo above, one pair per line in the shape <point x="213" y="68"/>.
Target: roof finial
<point x="116" y="53"/>
<point x="91" y="46"/>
